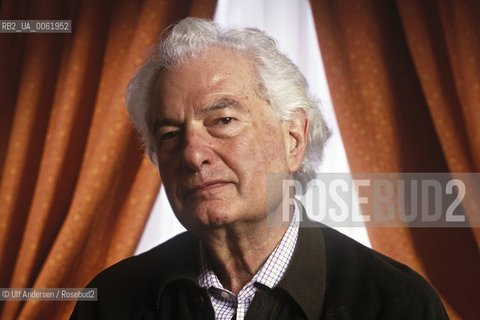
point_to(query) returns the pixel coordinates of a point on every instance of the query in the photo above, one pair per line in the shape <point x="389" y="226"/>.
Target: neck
<point x="237" y="252"/>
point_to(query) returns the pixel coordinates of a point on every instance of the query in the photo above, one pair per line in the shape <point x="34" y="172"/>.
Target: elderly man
<point x="226" y="117"/>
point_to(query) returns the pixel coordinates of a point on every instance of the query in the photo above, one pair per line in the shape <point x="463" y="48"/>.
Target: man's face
<point x="217" y="141"/>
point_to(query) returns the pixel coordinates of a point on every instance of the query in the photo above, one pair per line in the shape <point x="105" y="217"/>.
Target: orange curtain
<point x="405" y="83"/>
<point x="75" y="188"/>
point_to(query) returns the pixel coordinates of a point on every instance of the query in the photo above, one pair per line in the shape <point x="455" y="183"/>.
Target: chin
<point x="217" y="219"/>
<point x="215" y="214"/>
<point x="200" y="219"/>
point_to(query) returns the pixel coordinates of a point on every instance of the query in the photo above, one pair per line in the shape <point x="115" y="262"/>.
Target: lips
<point x="205" y="186"/>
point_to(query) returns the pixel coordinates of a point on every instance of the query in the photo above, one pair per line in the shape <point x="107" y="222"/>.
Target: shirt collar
<point x="274" y="268"/>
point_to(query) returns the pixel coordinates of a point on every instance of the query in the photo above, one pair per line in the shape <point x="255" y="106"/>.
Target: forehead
<point x="215" y="71"/>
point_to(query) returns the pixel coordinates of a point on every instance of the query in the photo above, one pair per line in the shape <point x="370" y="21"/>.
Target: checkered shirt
<point x="225" y="303"/>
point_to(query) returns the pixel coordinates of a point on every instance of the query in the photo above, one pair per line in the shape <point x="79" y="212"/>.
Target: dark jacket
<point x="329" y="277"/>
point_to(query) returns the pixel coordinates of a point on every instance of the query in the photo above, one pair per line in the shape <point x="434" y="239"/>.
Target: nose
<point x="197" y="149"/>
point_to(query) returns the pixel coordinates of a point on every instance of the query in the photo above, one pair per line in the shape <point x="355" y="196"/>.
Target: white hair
<point x="281" y="83"/>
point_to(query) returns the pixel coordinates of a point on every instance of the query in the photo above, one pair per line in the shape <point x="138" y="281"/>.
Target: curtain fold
<point x="444" y="41"/>
<point x="75" y="188"/>
<point x="404" y="78"/>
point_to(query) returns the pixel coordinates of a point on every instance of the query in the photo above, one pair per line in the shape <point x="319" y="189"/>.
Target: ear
<point x="296" y="139"/>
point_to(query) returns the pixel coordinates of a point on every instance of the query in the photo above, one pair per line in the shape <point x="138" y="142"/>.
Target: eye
<point x="224" y="121"/>
<point x="168" y="135"/>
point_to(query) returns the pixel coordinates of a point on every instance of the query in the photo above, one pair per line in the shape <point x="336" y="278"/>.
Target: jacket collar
<point x="183" y="262"/>
<point x="305" y="277"/>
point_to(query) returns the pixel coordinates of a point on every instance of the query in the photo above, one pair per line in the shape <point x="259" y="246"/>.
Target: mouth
<point x="205" y="187"/>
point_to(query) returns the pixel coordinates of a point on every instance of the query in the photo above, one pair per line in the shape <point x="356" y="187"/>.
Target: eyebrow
<point x="164" y="122"/>
<point x="223" y="103"/>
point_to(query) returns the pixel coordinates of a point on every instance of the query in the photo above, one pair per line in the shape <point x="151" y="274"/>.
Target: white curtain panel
<point x="291" y="23"/>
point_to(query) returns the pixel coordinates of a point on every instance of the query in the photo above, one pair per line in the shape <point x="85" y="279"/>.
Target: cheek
<point x="169" y="178"/>
<point x="257" y="155"/>
<point x="271" y="149"/>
